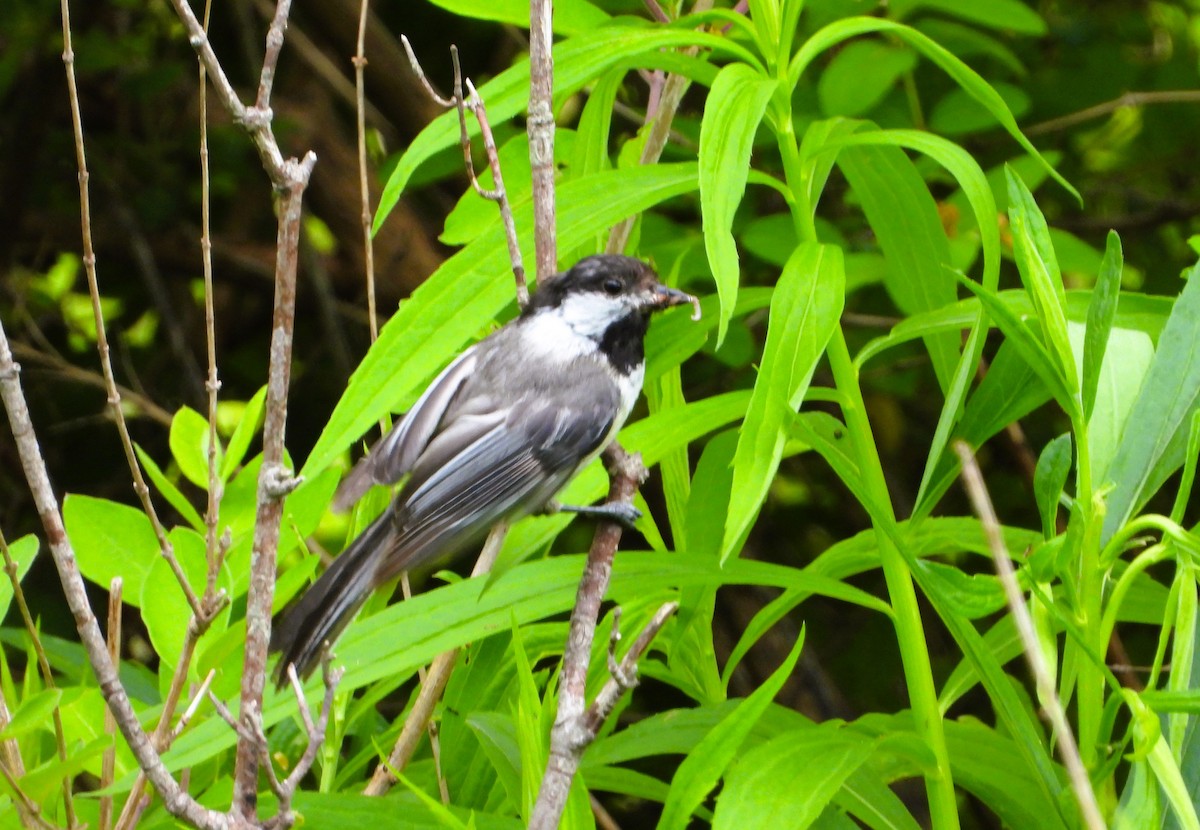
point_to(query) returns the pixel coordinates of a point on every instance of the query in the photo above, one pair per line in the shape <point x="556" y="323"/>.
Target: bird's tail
<point x="327" y="606"/>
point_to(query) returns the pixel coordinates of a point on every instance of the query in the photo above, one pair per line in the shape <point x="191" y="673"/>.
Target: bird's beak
<point x="667" y="297"/>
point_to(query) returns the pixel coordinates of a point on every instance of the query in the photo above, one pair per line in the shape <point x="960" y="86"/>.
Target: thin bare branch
<point x="656" y="11"/>
<point x="540" y="128"/>
<point x="1047" y="694"/>
<point x="27" y="809"/>
<point x="432" y="686"/>
<point x="360" y="64"/>
<point x="567" y="739"/>
<point x="212" y="385"/>
<point x="663" y="114"/>
<point x="77" y="374"/>
<point x="113" y="638"/>
<point x="177" y="802"/>
<point x="1129" y="99"/>
<point x="420" y="73"/>
<point x="624" y="675"/>
<point x="89" y="265"/>
<point x="497" y="194"/>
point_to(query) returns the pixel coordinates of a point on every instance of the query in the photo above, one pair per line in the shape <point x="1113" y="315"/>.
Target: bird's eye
<point x="613" y="286"/>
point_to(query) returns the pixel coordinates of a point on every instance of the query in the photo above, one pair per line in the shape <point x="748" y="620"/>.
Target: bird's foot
<point x="617" y="511"/>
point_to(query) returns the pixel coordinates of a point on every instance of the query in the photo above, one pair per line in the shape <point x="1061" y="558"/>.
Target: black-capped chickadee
<point x="495" y="436"/>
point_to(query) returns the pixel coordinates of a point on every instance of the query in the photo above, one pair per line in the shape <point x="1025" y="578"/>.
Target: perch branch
<point x="626" y="472"/>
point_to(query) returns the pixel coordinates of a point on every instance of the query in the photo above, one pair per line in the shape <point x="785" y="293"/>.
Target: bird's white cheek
<point x="590" y="314"/>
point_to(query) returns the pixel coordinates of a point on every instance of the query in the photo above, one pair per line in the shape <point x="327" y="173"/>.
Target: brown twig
<point x="212" y="384"/>
<point x="360" y="64"/>
<point x="78" y="374"/>
<point x="286" y="789"/>
<point x="432" y="686"/>
<point x="497" y="194"/>
<point x="660" y="130"/>
<point x="89" y="267"/>
<point x="977" y="491"/>
<point x="626" y="473"/>
<point x="623" y="676"/>
<point x="289" y="178"/>
<point x="274" y="481"/>
<point x="656" y="11"/>
<point x="27" y="809"/>
<point x="113" y="638"/>
<point x="1129" y="99"/>
<point x="35" y="638"/>
<point x="540" y="128"/>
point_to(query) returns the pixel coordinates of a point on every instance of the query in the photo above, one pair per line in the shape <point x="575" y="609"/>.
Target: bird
<point x="495" y="436"/>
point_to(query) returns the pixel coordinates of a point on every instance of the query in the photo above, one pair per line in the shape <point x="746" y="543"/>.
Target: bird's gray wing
<point x="483" y="468"/>
<point x="394" y="455"/>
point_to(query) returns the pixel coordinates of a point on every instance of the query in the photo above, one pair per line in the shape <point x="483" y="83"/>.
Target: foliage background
<point x="1134" y="166"/>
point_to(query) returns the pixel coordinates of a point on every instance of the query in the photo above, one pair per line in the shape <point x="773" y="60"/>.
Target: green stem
<point x="1090" y="688"/>
<point x="910" y="632"/>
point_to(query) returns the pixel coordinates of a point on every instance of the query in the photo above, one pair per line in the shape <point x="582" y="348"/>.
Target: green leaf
<point x="577" y="60"/>
<point x="959" y="72"/>
<point x="905" y="221"/>
<point x="23" y="551"/>
<point x="705" y="764"/>
<point x="1156" y="432"/>
<point x="1038" y="265"/>
<point x="246" y="429"/>
<point x="732" y="113"/>
<point x="1122" y="371"/>
<point x="350" y="811"/>
<point x="860" y="75"/>
<point x="970" y="596"/>
<point x="466" y="293"/>
<point x="1028" y="346"/>
<point x="1016" y="717"/>
<point x="807" y="303"/>
<point x="1049" y="479"/>
<point x="1005" y="15"/>
<point x="111" y="540"/>
<point x="169" y="491"/>
<point x="165" y="610"/>
<point x="959" y="114"/>
<point x="189" y="445"/>
<point x="570" y="16"/>
<point x="777" y="784"/>
<point x="33" y="714"/>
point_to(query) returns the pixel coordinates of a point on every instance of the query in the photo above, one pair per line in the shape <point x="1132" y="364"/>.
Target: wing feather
<point x="394" y="455"/>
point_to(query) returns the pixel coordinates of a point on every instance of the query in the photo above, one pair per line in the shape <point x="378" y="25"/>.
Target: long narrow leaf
<point x="732" y="113"/>
<point x="807" y="303"/>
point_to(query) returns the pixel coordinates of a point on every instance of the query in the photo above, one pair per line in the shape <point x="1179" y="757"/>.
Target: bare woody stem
<point x="626" y="473"/>
<point x="497" y="194"/>
<point x="110" y="383"/>
<point x="660" y="130"/>
<point x="1080" y="783"/>
<point x="540" y="127"/>
<point x="177" y="802"/>
<point x="360" y="63"/>
<point x="274" y="481"/>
